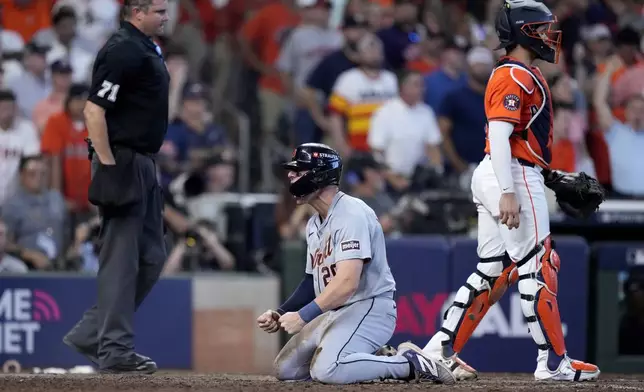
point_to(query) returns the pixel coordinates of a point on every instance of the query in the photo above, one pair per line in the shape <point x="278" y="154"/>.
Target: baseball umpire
<point x="127" y="117"/>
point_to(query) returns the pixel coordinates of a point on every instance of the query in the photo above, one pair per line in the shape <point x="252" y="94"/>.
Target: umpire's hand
<point x="268" y="321"/>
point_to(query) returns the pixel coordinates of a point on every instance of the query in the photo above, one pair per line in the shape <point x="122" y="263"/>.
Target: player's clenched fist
<point x="268" y="321"/>
<point x="292" y="322"/>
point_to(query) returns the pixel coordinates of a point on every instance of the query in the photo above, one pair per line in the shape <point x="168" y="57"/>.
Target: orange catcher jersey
<point x="518" y="94"/>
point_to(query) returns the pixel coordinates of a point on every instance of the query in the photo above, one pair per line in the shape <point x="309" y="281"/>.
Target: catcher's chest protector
<point x="535" y="128"/>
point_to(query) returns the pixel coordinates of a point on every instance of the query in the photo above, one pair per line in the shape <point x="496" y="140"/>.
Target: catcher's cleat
<point x="566" y="370"/>
<point x="424" y="369"/>
<point x="461" y="370"/>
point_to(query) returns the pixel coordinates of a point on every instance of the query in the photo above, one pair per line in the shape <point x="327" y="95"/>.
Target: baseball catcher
<point x="343" y="311"/>
<point x="514" y="243"/>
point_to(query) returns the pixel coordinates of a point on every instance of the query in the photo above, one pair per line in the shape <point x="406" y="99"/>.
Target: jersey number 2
<point x="328" y="273"/>
<point x="111" y="87"/>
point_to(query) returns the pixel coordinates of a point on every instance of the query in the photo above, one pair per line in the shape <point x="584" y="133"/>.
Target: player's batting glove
<point x="269" y="321"/>
<point x="578" y="194"/>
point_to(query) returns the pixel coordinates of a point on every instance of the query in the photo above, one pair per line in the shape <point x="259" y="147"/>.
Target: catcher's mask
<point x="528" y="23"/>
<point x="322" y="164"/>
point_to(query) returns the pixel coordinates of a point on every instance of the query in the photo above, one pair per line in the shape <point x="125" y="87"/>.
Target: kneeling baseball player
<point x="343" y="311"/>
<point x="514" y="243"/>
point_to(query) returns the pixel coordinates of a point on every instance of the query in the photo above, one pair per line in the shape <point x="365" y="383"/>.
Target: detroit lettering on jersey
<point x="351" y="231"/>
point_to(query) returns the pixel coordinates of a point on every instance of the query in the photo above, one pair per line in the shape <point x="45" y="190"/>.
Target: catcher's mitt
<point x="578" y="194"/>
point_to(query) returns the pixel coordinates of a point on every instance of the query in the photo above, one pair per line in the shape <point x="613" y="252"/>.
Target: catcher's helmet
<point x="521" y="22"/>
<point x="323" y="164"/>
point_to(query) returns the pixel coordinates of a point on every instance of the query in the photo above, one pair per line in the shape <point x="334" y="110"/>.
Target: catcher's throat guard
<point x="578" y="194"/>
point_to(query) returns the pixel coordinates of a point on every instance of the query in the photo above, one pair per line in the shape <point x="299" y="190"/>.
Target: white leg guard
<point x="469" y="307"/>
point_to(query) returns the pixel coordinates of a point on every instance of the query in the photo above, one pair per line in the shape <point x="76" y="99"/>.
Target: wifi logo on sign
<point x="21" y="313"/>
<point x="44" y="307"/>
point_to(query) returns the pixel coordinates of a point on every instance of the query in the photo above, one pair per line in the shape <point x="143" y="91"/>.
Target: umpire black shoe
<point x="137" y="364"/>
<point x="91" y="354"/>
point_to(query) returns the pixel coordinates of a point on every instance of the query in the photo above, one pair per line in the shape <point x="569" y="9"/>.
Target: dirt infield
<point x="171" y="382"/>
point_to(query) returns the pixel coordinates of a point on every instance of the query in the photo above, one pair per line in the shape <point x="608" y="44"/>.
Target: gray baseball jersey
<point x="350" y="231"/>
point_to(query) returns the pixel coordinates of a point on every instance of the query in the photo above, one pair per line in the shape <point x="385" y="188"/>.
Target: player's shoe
<point x="462" y="371"/>
<point x="424" y="369"/>
<point x="567" y="370"/>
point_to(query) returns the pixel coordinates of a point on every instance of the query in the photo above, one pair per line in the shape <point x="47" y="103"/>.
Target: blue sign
<point x="36" y="312"/>
<point x="620" y="256"/>
<point x="428" y="273"/>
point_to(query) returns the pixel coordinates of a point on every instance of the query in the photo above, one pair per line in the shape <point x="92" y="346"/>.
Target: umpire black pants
<point x="131" y="257"/>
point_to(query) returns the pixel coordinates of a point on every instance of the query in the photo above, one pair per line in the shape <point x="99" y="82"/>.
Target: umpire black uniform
<point x="130" y="82"/>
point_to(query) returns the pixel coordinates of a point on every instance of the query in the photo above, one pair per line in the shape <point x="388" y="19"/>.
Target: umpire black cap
<point x="322" y="164"/>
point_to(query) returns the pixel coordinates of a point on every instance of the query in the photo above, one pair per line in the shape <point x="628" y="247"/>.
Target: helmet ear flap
<point x="503" y="28"/>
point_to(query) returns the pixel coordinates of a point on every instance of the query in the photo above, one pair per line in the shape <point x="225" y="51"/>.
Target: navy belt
<point x="523" y="162"/>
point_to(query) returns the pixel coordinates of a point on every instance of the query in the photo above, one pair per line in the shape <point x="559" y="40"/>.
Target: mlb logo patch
<point x="350" y="245"/>
<point x="511" y="102"/>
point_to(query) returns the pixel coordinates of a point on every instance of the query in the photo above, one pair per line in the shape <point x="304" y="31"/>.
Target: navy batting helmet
<point x="528" y="23"/>
<point x="322" y="163"/>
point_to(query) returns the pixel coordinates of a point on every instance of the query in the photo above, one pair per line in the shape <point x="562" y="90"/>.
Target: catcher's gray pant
<point x="131" y="258"/>
<point x="338" y="347"/>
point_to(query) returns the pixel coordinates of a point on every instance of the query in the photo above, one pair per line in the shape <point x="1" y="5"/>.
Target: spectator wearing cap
<point x="461" y="114"/>
<point x="364" y="179"/>
<point x="34" y="84"/>
<point x="404" y="131"/>
<point x="428" y="59"/>
<point x="18" y="138"/>
<point x="192" y="138"/>
<point x="61" y="80"/>
<point x="319" y="84"/>
<point x="448" y="77"/>
<point x="26" y="17"/>
<point x="625" y="139"/>
<point x="401" y="40"/>
<point x="67" y="46"/>
<point x="63" y="143"/>
<point x="303" y="50"/>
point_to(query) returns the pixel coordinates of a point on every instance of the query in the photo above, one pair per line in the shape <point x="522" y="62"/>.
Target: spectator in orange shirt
<point x="61" y="80"/>
<point x="64" y="143"/>
<point x="261" y="39"/>
<point x="627" y="42"/>
<point x="260" y="42"/>
<point x="205" y="30"/>
<point x="429" y="59"/>
<point x="26" y="17"/>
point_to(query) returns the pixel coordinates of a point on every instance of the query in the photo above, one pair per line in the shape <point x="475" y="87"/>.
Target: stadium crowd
<point x="396" y="86"/>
